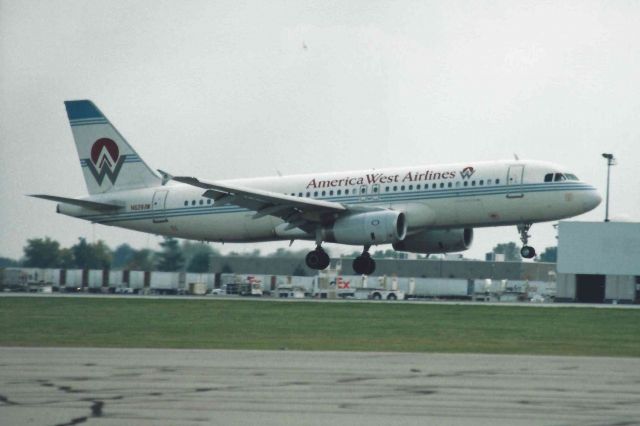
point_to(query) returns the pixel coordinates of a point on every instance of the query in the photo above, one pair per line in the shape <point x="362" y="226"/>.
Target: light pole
<point x="610" y="162"/>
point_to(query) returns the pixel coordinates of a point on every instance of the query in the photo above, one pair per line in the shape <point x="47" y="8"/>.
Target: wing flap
<point x="270" y="211"/>
<point x="258" y="195"/>
<point x="298" y="212"/>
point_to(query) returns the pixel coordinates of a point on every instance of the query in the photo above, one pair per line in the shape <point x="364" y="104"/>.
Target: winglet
<point x="191" y="181"/>
<point x="166" y="177"/>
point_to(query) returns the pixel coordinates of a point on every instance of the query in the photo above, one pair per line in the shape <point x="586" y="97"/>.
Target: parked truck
<point x="197" y="289"/>
<point x="378" y="294"/>
<point x="243" y="284"/>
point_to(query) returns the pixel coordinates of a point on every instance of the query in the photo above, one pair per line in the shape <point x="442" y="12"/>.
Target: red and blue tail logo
<point x="105" y="160"/>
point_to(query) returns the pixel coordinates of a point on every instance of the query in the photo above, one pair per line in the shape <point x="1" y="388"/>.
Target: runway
<point x="59" y="386"/>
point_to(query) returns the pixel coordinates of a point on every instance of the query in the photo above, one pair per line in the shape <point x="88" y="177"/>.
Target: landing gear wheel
<point x="317" y="259"/>
<point x="528" y="252"/>
<point x="364" y="264"/>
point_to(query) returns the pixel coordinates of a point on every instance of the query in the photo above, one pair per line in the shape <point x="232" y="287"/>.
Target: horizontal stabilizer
<point x="93" y="205"/>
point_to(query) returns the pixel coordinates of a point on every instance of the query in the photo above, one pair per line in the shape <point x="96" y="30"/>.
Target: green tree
<point x="510" y="250"/>
<point x="199" y="262"/>
<point x="91" y="256"/>
<point x="280" y="252"/>
<point x="142" y="260"/>
<point x="171" y="258"/>
<point x="42" y="253"/>
<point x="80" y="253"/>
<point x="122" y="255"/>
<point x="197" y="255"/>
<point x="66" y="258"/>
<point x="299" y="271"/>
<point x="7" y="262"/>
<point x="550" y="254"/>
<point x="191" y="248"/>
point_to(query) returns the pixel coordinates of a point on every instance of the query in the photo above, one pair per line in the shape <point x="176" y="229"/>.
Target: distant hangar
<point x="598" y="262"/>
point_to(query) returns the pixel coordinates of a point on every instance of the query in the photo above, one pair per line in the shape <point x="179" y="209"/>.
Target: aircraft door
<point x="363" y="192"/>
<point x="375" y="192"/>
<point x="158" y="206"/>
<point x="368" y="193"/>
<point x="514" y="181"/>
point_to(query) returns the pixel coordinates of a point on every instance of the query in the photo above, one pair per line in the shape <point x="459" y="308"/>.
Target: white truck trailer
<point x="95" y="279"/>
<point x="73" y="280"/>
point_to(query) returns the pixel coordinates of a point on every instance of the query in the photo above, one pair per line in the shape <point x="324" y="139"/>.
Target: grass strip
<point x="224" y="324"/>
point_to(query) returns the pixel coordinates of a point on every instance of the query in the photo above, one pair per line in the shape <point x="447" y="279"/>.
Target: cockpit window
<point x="559" y="177"/>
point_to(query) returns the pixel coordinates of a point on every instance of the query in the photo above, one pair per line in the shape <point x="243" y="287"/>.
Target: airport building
<point x="598" y="262"/>
<point x="422" y="268"/>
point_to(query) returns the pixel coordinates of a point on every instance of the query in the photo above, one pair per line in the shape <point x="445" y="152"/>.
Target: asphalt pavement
<point x="68" y="386"/>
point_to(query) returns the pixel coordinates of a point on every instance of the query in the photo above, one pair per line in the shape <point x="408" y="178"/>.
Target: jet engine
<point x="437" y="241"/>
<point x="377" y="227"/>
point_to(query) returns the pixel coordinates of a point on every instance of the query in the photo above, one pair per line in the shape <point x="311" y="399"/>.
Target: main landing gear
<point x="526" y="251"/>
<point x="364" y="264"/>
<point x="317" y="259"/>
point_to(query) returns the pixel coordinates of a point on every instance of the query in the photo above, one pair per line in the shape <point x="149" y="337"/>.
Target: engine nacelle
<point x="378" y="227"/>
<point x="437" y="241"/>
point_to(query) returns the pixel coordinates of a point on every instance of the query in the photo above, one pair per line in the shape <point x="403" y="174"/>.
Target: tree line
<point x="177" y="256"/>
<point x="172" y="256"/>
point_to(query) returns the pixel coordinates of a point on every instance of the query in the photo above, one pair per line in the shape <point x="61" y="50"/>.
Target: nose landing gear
<point x="526" y="251"/>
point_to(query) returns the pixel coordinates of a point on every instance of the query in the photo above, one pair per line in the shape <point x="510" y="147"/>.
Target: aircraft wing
<point x="93" y="205"/>
<point x="303" y="213"/>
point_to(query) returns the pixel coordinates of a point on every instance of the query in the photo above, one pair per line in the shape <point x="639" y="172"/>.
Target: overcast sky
<point x="231" y="89"/>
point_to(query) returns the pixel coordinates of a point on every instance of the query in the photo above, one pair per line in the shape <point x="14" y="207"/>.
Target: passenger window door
<point x="369" y="192"/>
<point x="514" y="181"/>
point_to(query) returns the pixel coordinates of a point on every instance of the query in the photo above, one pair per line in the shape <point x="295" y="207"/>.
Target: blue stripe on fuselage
<point x="422" y="195"/>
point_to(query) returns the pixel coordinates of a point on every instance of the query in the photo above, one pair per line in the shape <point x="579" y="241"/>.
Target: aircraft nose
<point x="592" y="199"/>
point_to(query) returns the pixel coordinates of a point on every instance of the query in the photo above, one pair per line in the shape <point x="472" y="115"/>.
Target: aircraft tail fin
<point x="108" y="162"/>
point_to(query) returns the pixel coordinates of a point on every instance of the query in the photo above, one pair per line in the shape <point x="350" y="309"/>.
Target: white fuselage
<point x="432" y="197"/>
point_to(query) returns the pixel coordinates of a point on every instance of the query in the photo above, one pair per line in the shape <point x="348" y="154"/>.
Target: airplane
<point x="420" y="209"/>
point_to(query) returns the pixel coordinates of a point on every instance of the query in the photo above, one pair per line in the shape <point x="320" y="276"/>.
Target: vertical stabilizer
<point x="108" y="161"/>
